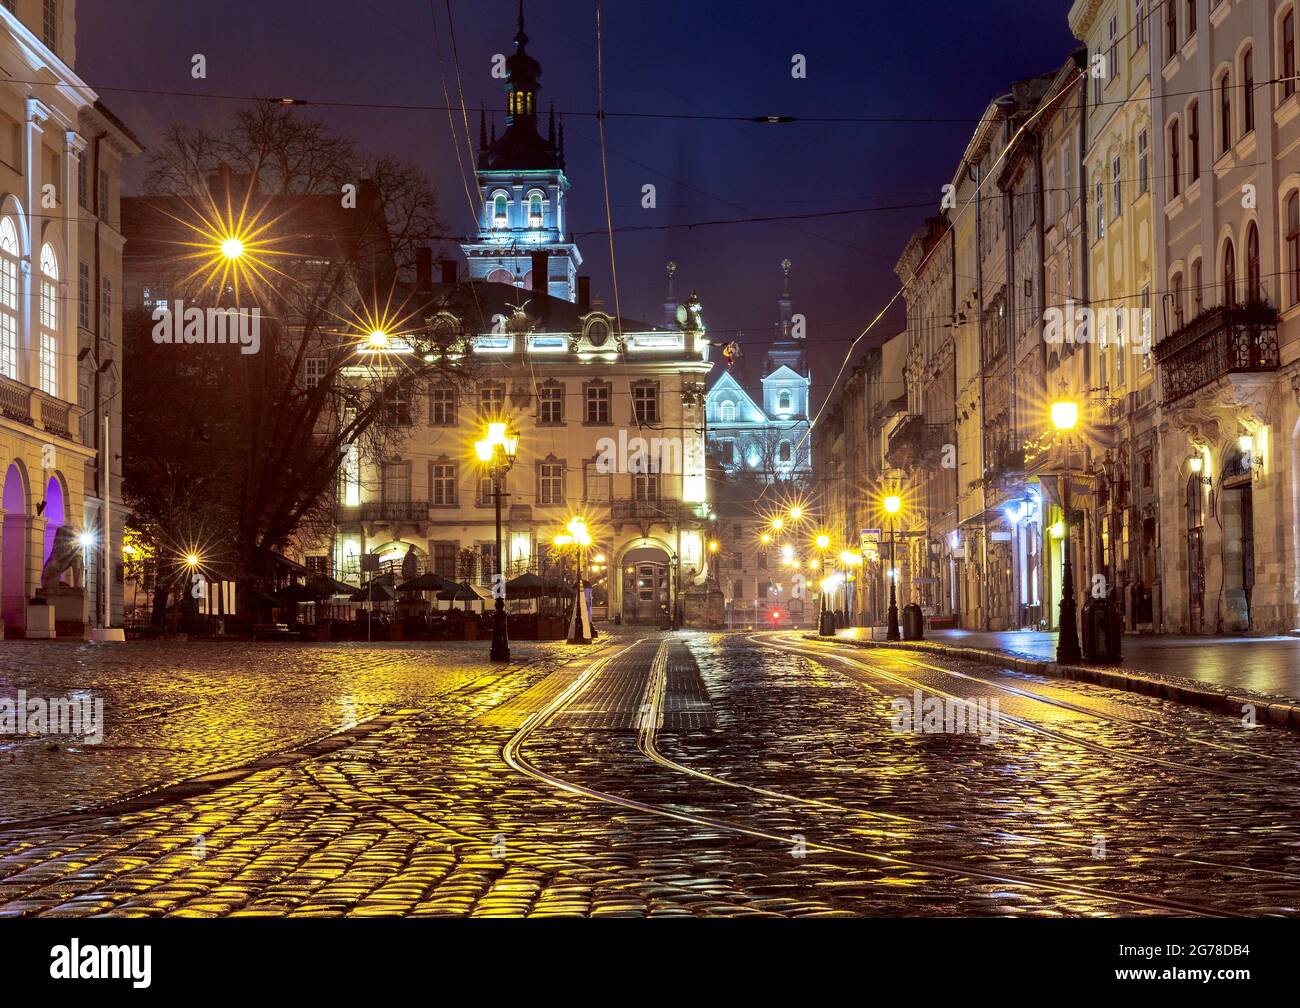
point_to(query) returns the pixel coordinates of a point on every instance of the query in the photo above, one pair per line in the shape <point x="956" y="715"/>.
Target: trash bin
<point x="913" y="622"/>
<point x="1101" y="631"/>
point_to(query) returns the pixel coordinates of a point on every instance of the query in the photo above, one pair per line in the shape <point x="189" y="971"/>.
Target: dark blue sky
<point x="874" y="58"/>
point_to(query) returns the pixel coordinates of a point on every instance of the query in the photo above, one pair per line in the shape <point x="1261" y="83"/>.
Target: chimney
<point x="423" y="267"/>
<point x="448" y="267"/>
<point x="540" y="260"/>
<point x="584" y="294"/>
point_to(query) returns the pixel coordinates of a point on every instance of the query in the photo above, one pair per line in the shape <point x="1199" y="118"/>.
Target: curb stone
<point x="1268" y="709"/>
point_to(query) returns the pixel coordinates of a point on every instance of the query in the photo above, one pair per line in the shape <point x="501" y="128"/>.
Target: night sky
<point x="941" y="60"/>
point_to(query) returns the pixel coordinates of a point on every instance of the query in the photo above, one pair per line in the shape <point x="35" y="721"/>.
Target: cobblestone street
<point x="716" y="775"/>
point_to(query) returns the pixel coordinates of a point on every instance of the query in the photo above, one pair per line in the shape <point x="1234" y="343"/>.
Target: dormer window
<point x="535" y="210"/>
<point x="783" y="402"/>
<point x="500" y="210"/>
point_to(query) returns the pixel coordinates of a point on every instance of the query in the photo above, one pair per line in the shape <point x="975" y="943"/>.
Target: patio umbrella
<point x="526" y="586"/>
<point x="428" y="581"/>
<point x="376" y="591"/>
<point x="292" y="593"/>
<point x="323" y="587"/>
<point x="461" y="593"/>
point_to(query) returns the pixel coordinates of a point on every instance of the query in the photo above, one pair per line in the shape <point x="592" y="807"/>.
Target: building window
<point x="485" y="490"/>
<point x="784" y="452"/>
<point x="1248" y="92"/>
<point x="1229" y="275"/>
<point x="728" y="412"/>
<point x="596" y="401"/>
<point x="1112" y="55"/>
<point x="1171" y="30"/>
<point x="442" y="484"/>
<point x="50" y="24"/>
<point x="783" y="402"/>
<point x="1225" y="114"/>
<point x="550" y="483"/>
<point x="1175" y="161"/>
<point x="1100" y="203"/>
<point x="487" y="562"/>
<point x="444" y="556"/>
<point x="9" y="251"/>
<point x="1254" y="282"/>
<point x="1144" y="168"/>
<point x="500" y="210"/>
<point x="396" y="406"/>
<point x="1193" y="142"/>
<point x="314" y="370"/>
<point x="551" y="401"/>
<point x="1139" y="24"/>
<point x="1288" y="54"/>
<point x="83" y="183"/>
<point x="397" y="483"/>
<point x="442" y="406"/>
<point x="103" y="196"/>
<point x="492" y="400"/>
<point x="596" y="483"/>
<point x="727" y="451"/>
<point x="83" y="295"/>
<point x="1293" y="245"/>
<point x="1177" y="294"/>
<point x="535" y="210"/>
<point x="645" y="487"/>
<point x="1191" y="17"/>
<point x="1117" y="188"/>
<point x="1145" y="365"/>
<point x="49" y="320"/>
<point x="1198" y="287"/>
<point x="106" y="308"/>
<point x="645" y="403"/>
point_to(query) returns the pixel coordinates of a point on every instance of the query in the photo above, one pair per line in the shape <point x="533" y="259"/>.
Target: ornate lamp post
<point x="497" y="451"/>
<point x="1065" y="417"/>
<point x="892" y="505"/>
<point x="824" y="627"/>
<point x="580" y="630"/>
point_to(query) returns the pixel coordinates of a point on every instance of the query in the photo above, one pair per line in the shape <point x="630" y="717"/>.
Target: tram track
<point x="515" y="755"/>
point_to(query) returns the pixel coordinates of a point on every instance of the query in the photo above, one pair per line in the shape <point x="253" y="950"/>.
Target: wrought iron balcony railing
<point x="915" y="443"/>
<point x="645" y="510"/>
<point x="369" y="511"/>
<point x="1241" y="339"/>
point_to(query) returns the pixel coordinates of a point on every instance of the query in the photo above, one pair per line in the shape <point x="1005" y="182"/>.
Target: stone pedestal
<point x="69" y="610"/>
<point x="704" y="607"/>
<point x="40" y="621"/>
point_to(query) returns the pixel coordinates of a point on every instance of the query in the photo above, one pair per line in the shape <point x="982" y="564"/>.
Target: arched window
<point x="1175" y="159"/>
<point x="783" y="401"/>
<point x="1287" y="54"/>
<point x="49" y="321"/>
<point x="784" y="451"/>
<point x="535" y="210"/>
<point x="1177" y="291"/>
<point x="1293" y="245"/>
<point x="500" y="275"/>
<point x="1254" y="283"/>
<point x="1225" y="113"/>
<point x="1229" y="275"/>
<point x="1248" y="91"/>
<point x="9" y="252"/>
<point x="500" y="210"/>
<point x="728" y="412"/>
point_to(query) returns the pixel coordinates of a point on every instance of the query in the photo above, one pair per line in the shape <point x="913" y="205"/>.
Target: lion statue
<point x="64" y="556"/>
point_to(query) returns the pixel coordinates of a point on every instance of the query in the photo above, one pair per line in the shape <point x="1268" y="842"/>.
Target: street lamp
<point x="824" y="627"/>
<point x="1065" y="417"/>
<point x="497" y="451"/>
<point x="893" y="504"/>
<point x="580" y="630"/>
<point x="232" y="248"/>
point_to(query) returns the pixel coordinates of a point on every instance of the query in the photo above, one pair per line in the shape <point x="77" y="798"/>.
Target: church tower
<point x="523" y="188"/>
<point x="786" y="377"/>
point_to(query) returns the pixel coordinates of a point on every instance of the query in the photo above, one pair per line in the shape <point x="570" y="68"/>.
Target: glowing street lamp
<point x="232" y="248"/>
<point x="796" y="513"/>
<point x="823" y="541"/>
<point x="580" y="629"/>
<point x="1065" y="417"/>
<point x="825" y="626"/>
<point x="497" y="450"/>
<point x="893" y="504"/>
<point x="778" y="523"/>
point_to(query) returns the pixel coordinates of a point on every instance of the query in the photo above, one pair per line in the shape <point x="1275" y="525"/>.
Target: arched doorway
<point x="55" y="513"/>
<point x="645" y="578"/>
<point x="398" y="561"/>
<point x="1238" y="540"/>
<point x="13" y="563"/>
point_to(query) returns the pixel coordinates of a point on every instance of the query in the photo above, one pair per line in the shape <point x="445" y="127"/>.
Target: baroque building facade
<point x="61" y="246"/>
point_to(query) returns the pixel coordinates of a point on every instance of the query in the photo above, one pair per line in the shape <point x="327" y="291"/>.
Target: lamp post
<point x="1065" y="417"/>
<point x="580" y="629"/>
<point x="824" y="627"/>
<point x="497" y="451"/>
<point x="892" y="506"/>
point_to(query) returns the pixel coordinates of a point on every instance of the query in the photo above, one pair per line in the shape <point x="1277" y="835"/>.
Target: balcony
<point x="1217" y="343"/>
<point x="15" y="401"/>
<point x="386" y="511"/>
<point x="644" y="510"/>
<point x="915" y="443"/>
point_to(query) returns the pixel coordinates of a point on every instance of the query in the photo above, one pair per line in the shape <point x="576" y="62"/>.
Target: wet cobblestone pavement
<point x="714" y="775"/>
